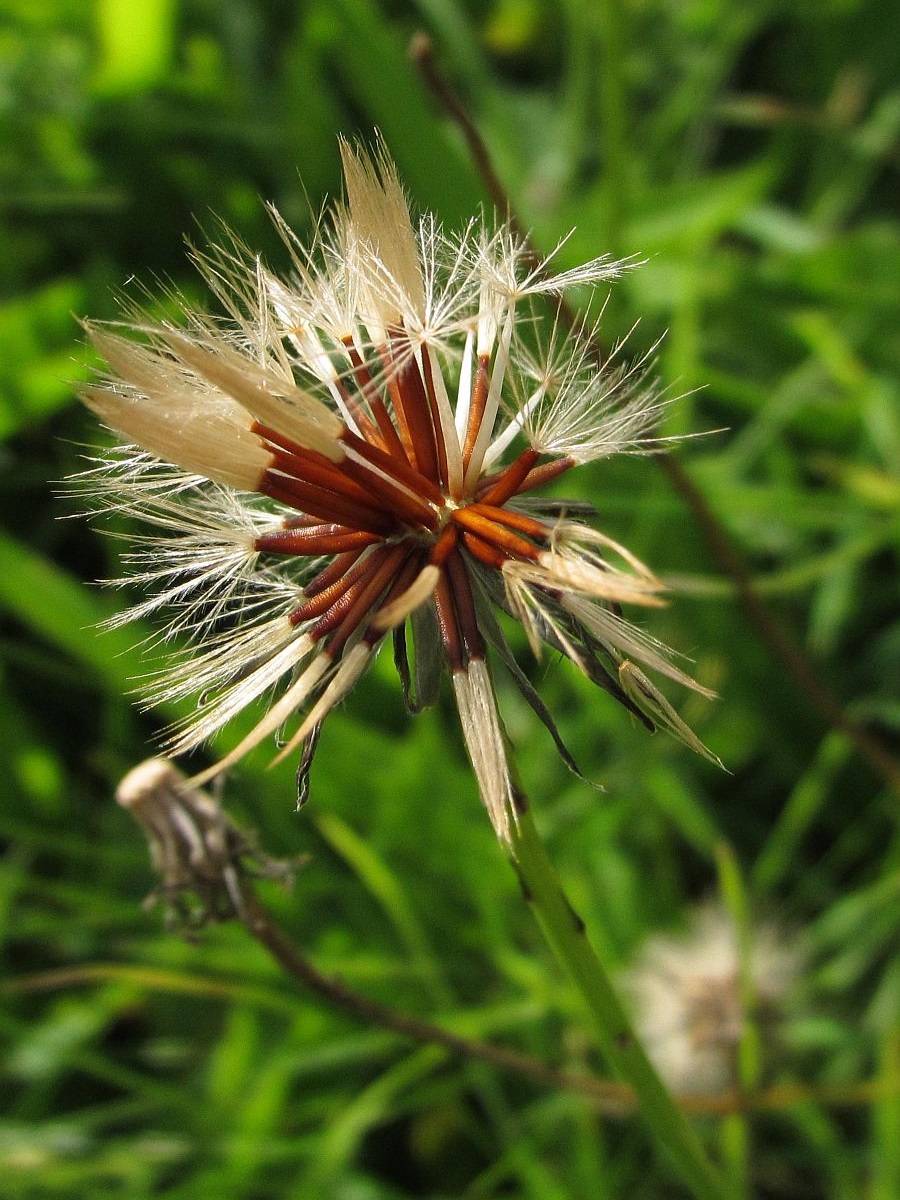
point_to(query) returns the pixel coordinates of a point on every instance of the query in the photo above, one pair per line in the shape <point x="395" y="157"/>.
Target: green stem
<point x="736" y="1131"/>
<point x="565" y="932"/>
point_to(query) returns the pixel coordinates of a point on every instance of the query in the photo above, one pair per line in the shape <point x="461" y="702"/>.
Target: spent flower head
<point x="351" y="454"/>
<point x="199" y="854"/>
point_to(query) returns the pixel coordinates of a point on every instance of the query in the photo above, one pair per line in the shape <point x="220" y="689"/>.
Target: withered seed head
<point x="200" y="855"/>
<point x="352" y="454"/>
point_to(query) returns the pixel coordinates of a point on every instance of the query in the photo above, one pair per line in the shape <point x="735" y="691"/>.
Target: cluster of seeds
<point x="354" y="453"/>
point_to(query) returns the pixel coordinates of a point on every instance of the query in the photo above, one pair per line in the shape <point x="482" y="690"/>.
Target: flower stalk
<point x="566" y="935"/>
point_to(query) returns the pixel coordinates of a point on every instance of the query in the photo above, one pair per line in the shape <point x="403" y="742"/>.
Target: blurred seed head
<point x="687" y="996"/>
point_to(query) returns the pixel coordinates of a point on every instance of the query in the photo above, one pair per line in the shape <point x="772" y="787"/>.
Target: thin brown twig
<point x="421" y="52"/>
<point x="606" y="1096"/>
<point x="614" y="1099"/>
<point x="205" y="865"/>
<point x="724" y="550"/>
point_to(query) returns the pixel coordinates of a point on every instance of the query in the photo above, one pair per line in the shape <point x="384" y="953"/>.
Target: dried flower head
<point x="197" y="851"/>
<point x="687" y="995"/>
<point x="350" y="454"/>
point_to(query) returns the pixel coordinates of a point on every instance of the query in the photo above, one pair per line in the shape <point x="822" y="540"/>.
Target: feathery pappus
<point x="355" y="453"/>
<point x="690" y="999"/>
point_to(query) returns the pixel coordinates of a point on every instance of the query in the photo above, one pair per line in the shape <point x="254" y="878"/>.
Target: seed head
<point x="352" y="453"/>
<point x="690" y="1001"/>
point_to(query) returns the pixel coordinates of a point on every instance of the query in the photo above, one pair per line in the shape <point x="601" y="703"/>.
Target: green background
<point x="749" y="152"/>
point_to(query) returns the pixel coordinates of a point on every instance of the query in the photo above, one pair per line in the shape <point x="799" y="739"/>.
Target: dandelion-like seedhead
<point x="689" y="996"/>
<point x="351" y="455"/>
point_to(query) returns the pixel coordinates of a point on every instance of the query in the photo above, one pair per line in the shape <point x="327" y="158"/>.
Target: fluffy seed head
<point x="349" y="454"/>
<point x="689" y="998"/>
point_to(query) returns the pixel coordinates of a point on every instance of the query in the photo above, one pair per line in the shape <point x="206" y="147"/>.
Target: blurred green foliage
<point x="749" y="152"/>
